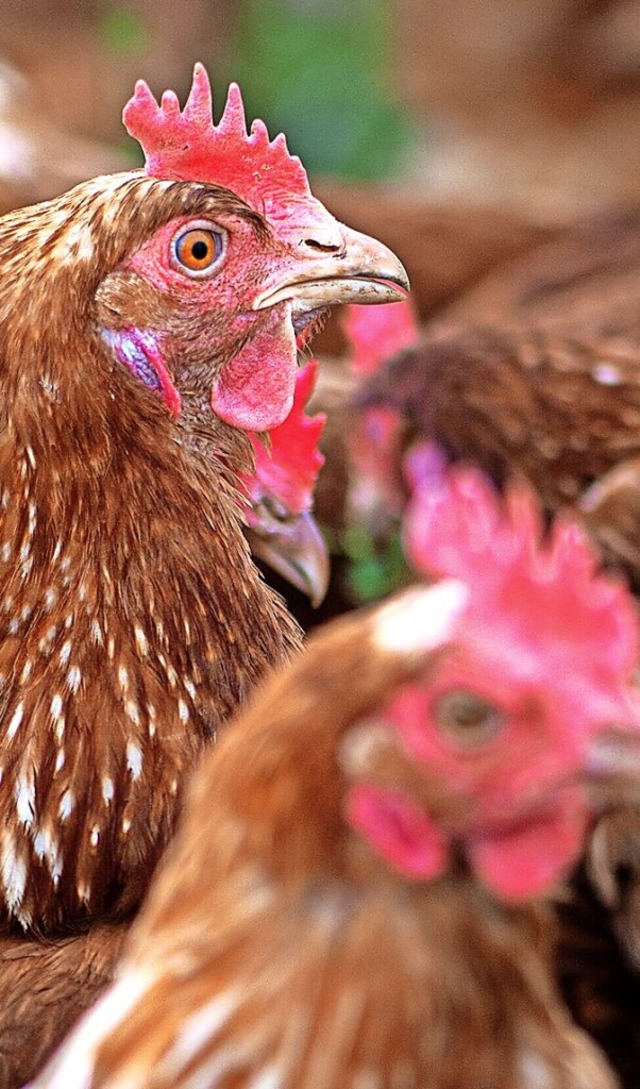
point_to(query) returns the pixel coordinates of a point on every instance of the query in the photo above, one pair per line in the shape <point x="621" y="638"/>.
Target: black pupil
<point x="200" y="250"/>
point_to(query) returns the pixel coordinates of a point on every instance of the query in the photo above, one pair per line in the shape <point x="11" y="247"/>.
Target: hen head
<point x="269" y="259"/>
<point x="538" y="667"/>
<point x="197" y="275"/>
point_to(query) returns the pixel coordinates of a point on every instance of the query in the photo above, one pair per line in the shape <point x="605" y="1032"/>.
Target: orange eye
<point x="198" y="250"/>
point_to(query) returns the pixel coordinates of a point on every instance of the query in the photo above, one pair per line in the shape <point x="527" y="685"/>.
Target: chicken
<point x="115" y="632"/>
<point x="281" y="528"/>
<point x="378" y="832"/>
<point x="536" y="373"/>
<point x="358" y="499"/>
<point x="132" y="620"/>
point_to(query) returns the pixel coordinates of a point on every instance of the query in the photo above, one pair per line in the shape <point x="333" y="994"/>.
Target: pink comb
<point x="549" y="588"/>
<point x="289" y="469"/>
<point x="375" y="333"/>
<point x="187" y="146"/>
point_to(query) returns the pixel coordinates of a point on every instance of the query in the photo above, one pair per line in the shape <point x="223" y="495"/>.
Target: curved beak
<point x="358" y="270"/>
<point x="294" y="547"/>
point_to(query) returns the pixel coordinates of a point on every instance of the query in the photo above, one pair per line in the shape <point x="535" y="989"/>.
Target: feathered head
<point x="186" y="145"/>
<point x="538" y="667"/>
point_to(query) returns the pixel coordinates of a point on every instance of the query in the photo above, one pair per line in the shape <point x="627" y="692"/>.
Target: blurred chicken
<point x="281" y="528"/>
<point x="378" y="831"/>
<point x="537" y="373"/>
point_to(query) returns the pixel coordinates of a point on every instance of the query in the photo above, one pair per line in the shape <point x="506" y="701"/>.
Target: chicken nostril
<point x="322" y="247"/>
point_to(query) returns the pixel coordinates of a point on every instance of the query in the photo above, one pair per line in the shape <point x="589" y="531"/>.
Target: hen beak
<point x="614" y="752"/>
<point x="345" y="267"/>
<point x="294" y="547"/>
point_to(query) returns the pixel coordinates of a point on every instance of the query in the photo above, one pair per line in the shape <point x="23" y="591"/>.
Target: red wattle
<point x="255" y="390"/>
<point x="528" y="861"/>
<point x="398" y="830"/>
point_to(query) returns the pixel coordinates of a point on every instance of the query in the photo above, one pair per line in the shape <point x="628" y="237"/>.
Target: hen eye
<point x="469" y="719"/>
<point x="198" y="250"/>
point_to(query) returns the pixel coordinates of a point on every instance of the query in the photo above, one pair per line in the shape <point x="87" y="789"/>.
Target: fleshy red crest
<point x="289" y="469"/>
<point x="375" y="333"/>
<point x="544" y="594"/>
<point x="186" y="145"/>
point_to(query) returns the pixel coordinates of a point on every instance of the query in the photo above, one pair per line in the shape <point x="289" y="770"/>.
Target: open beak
<point x="357" y="269"/>
<point x="293" y="547"/>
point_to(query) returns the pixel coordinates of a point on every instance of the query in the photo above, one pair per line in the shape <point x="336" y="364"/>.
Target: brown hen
<point x="133" y="310"/>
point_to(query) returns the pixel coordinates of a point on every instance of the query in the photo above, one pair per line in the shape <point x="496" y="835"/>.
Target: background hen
<point x="535" y="374"/>
<point x="377" y="831"/>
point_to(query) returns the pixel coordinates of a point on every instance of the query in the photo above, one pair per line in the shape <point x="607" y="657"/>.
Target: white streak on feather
<point x="72" y="1068"/>
<point x="211" y="1073"/>
<point x="14" y="873"/>
<point x="26" y="800"/>
<point x="107" y="789"/>
<point x="141" y="641"/>
<point x="46" y="846"/>
<point x="420" y="619"/>
<point x="132" y="712"/>
<point x="74" y="678"/>
<point x="16" y="719"/>
<point x="84" y="893"/>
<point x="67" y="802"/>
<point x="77" y="240"/>
<point x="199" y="1029"/>
<point x="56" y="706"/>
<point x="134" y="760"/>
<point x="607" y="374"/>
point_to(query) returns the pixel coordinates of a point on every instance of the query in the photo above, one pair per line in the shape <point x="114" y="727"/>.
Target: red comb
<point x="548" y="591"/>
<point x="375" y="333"/>
<point x="289" y="469"/>
<point x="185" y="145"/>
